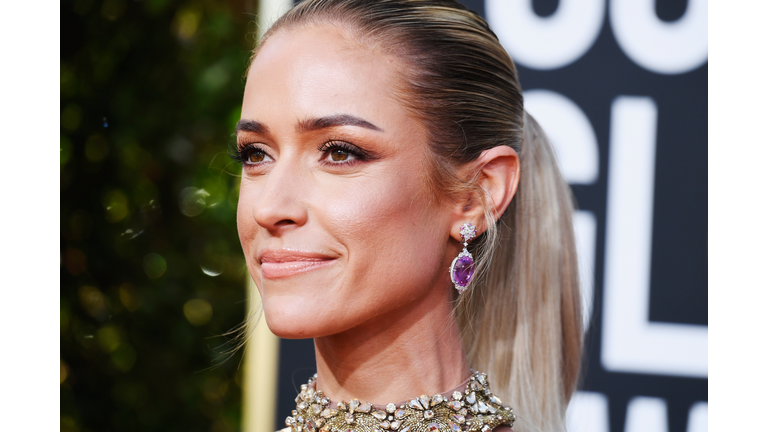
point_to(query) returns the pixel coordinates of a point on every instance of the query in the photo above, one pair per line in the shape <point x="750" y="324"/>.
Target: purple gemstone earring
<point x="463" y="266"/>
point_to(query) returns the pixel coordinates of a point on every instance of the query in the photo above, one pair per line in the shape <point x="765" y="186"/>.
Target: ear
<point x="498" y="174"/>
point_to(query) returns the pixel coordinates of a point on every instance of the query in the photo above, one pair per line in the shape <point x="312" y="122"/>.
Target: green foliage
<point x="151" y="265"/>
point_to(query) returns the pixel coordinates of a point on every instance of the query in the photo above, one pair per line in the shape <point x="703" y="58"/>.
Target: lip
<point x="282" y="263"/>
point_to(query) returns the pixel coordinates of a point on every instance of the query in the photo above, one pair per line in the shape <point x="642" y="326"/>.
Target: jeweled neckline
<point x="474" y="409"/>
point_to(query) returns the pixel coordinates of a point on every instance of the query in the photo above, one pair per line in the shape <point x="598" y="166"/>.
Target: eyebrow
<point x="251" y="126"/>
<point x="311" y="124"/>
<point x="335" y="120"/>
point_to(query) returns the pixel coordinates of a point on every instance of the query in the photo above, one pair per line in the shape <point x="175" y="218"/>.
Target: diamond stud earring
<point x="463" y="266"/>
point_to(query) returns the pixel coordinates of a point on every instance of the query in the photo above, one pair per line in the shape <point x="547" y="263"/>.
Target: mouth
<point x="277" y="264"/>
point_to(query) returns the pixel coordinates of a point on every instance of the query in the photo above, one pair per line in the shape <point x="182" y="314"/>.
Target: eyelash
<point x="241" y="153"/>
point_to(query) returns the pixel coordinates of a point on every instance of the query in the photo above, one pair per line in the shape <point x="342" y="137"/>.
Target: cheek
<point x="394" y="237"/>
<point x="247" y="228"/>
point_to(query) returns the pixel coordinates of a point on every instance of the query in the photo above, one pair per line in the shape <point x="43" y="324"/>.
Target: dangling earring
<point x="463" y="266"/>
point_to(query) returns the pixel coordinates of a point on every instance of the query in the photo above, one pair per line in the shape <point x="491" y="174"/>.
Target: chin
<point x="295" y="317"/>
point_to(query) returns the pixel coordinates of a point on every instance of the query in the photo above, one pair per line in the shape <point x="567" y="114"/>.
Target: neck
<point x="396" y="356"/>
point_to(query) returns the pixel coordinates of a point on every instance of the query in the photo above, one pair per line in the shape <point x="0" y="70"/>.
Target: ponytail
<point x="522" y="322"/>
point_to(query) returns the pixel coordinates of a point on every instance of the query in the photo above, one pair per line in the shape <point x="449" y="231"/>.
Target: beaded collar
<point x="476" y="409"/>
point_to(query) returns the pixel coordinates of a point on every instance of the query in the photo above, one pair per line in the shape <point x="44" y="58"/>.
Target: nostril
<point x="285" y="222"/>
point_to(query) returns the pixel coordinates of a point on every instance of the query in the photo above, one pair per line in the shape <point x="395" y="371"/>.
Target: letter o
<point x="550" y="42"/>
<point x="661" y="47"/>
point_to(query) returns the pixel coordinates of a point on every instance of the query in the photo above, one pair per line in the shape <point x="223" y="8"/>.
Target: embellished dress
<point x="469" y="408"/>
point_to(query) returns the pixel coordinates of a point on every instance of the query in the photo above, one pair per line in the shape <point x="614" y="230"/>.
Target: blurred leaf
<point x="150" y="92"/>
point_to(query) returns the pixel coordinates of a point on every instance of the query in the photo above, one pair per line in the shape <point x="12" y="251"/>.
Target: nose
<point x="282" y="203"/>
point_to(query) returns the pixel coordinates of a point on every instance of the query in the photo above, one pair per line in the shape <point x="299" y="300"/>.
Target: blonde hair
<point x="520" y="318"/>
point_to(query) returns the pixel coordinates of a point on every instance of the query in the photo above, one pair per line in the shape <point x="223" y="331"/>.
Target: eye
<point x="249" y="154"/>
<point x="255" y="156"/>
<point x="340" y="155"/>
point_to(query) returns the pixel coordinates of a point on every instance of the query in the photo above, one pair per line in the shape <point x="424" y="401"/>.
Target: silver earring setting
<point x="463" y="266"/>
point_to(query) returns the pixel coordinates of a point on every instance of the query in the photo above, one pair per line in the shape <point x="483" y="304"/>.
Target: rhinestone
<point x="341" y="406"/>
<point x="491" y="409"/>
<point x="463" y="412"/>
<point x="457" y="395"/>
<point x="311" y="426"/>
<point x="433" y="427"/>
<point x="456" y="405"/>
<point x="395" y="424"/>
<point x="317" y="409"/>
<point x="349" y="418"/>
<point x="468" y="232"/>
<point x="471" y="398"/>
<point x="391" y="408"/>
<point x="399" y="414"/>
<point x="496" y="400"/>
<point x="389" y="418"/>
<point x="454" y="427"/>
<point x="414" y="403"/>
<point x="326" y="413"/>
<point x="364" y="407"/>
<point x="474" y="385"/>
<point x="474" y="408"/>
<point x="424" y="399"/>
<point x="381" y="415"/>
<point x="294" y="413"/>
<point x="459" y="418"/>
<point x="407" y="429"/>
<point x="325" y="401"/>
<point x="319" y="422"/>
<point x="302" y="406"/>
<point x="298" y="398"/>
<point x="349" y="430"/>
<point x="325" y="429"/>
<point x="353" y="404"/>
<point x="290" y="421"/>
<point x="300" y="419"/>
<point x="436" y="399"/>
<point x="428" y="414"/>
<point x="486" y="428"/>
<point x="384" y="424"/>
<point x="482" y="407"/>
<point x="303" y="388"/>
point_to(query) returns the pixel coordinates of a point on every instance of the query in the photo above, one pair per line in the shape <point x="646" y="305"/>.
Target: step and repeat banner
<point x="620" y="86"/>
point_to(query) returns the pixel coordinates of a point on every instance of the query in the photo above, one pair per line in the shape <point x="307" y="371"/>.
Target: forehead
<point x="317" y="71"/>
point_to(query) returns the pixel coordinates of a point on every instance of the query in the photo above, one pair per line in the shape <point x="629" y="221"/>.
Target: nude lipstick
<point x="283" y="263"/>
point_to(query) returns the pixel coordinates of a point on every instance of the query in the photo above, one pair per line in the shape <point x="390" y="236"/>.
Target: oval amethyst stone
<point x="463" y="268"/>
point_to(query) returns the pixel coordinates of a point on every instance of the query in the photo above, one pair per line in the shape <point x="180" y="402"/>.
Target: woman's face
<point x="335" y="218"/>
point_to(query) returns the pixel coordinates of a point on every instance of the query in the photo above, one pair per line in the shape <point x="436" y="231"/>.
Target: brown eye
<point x="256" y="156"/>
<point x="339" y="155"/>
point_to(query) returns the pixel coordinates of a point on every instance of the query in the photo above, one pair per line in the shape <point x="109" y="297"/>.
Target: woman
<point x="377" y="140"/>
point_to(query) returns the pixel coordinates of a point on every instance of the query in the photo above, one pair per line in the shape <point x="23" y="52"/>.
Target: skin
<point x="353" y="251"/>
